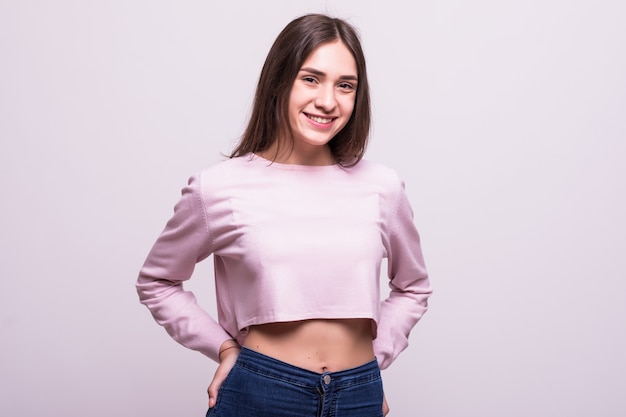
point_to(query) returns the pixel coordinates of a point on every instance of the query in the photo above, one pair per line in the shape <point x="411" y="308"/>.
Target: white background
<point x="507" y="119"/>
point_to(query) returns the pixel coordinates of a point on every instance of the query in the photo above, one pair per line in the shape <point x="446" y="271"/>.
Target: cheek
<point x="347" y="106"/>
<point x="294" y="99"/>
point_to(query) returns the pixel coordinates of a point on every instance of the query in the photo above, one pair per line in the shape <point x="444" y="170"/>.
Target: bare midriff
<point x="317" y="345"/>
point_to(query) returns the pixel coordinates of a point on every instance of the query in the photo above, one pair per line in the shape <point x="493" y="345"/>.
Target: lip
<point x="318" y="124"/>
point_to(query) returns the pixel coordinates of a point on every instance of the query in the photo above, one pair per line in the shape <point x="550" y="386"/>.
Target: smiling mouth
<point x="323" y="120"/>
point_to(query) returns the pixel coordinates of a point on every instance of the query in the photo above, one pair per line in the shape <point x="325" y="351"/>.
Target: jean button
<point x="326" y="379"/>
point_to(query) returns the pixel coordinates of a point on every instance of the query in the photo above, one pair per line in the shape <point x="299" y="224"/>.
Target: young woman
<point x="298" y="225"/>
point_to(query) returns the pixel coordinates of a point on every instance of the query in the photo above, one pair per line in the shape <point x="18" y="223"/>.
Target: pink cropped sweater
<point x="289" y="242"/>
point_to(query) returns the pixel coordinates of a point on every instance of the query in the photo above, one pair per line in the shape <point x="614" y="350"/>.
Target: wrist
<point x="227" y="348"/>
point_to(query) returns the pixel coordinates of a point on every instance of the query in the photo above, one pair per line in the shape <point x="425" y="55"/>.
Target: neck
<point x="285" y="154"/>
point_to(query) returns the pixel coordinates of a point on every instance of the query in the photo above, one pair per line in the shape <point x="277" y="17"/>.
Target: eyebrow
<point x="323" y="74"/>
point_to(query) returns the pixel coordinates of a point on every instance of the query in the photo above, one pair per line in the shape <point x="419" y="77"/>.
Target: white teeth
<point x="319" y="119"/>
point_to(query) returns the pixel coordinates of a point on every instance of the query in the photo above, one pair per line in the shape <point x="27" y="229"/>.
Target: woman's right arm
<point x="229" y="352"/>
<point x="184" y="242"/>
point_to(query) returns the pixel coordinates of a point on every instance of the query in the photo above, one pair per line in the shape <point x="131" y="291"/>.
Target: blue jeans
<point x="261" y="386"/>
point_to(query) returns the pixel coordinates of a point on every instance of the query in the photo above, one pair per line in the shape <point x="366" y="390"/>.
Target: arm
<point x="229" y="352"/>
<point x="184" y="242"/>
<point x="408" y="281"/>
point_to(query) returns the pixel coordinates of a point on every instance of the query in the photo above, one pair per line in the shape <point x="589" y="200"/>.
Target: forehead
<point x="332" y="58"/>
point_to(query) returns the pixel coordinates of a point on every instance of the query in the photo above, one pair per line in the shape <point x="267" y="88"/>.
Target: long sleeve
<point x="185" y="241"/>
<point x="408" y="281"/>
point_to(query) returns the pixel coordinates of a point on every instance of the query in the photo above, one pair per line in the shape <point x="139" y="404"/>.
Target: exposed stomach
<point x="319" y="345"/>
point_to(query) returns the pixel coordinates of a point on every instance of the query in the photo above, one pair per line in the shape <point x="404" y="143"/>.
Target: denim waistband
<point x="274" y="368"/>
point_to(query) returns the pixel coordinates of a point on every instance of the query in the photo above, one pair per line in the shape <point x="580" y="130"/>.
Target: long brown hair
<point x="270" y="118"/>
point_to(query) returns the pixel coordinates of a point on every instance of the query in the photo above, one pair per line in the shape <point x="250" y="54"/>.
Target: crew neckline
<point x="293" y="167"/>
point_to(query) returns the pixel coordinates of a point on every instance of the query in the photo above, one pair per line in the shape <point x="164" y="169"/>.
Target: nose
<point x="325" y="98"/>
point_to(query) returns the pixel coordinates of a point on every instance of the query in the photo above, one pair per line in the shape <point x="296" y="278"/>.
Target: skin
<point x="320" y="104"/>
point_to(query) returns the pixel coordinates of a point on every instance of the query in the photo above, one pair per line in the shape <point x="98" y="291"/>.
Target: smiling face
<point x="322" y="97"/>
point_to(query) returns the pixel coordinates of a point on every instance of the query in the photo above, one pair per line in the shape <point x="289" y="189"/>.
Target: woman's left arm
<point x="408" y="281"/>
